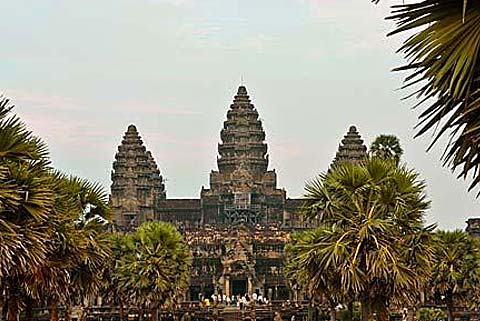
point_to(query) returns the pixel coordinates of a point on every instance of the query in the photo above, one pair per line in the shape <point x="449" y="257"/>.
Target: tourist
<point x="260" y="299"/>
<point x="277" y="317"/>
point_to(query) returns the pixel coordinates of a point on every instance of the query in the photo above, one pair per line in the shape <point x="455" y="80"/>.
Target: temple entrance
<point x="238" y="286"/>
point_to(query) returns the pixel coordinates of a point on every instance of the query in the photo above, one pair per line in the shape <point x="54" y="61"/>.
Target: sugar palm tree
<point x="371" y="234"/>
<point x="455" y="277"/>
<point x="155" y="269"/>
<point x="386" y="146"/>
<point x="80" y="245"/>
<point x="442" y="51"/>
<point x="49" y="239"/>
<point x="301" y="268"/>
<point x="114" y="288"/>
<point x="24" y="195"/>
<point x="26" y="202"/>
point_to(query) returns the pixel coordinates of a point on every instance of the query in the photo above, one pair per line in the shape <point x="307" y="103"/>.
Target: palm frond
<point x="442" y="57"/>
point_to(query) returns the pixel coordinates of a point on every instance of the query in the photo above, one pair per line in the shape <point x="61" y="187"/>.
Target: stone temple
<point x="238" y="227"/>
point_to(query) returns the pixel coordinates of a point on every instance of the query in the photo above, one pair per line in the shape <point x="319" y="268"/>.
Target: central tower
<point x="243" y="189"/>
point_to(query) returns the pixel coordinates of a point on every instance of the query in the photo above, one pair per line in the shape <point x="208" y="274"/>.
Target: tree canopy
<point x="371" y="245"/>
<point x="444" y="71"/>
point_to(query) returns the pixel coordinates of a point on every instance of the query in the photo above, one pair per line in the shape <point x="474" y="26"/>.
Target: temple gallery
<point x="238" y="227"/>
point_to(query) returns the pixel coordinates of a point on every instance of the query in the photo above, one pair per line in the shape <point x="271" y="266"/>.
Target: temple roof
<point x="242" y="99"/>
<point x="243" y="138"/>
<point x="134" y="166"/>
<point x="351" y="148"/>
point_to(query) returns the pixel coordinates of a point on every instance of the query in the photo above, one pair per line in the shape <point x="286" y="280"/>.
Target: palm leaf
<point x="442" y="57"/>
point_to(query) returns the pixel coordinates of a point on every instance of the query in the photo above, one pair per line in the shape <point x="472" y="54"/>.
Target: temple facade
<point x="238" y="227"/>
<point x="351" y="148"/>
<point x="137" y="186"/>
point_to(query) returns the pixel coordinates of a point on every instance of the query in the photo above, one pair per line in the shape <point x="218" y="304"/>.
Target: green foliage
<point x="431" y="314"/>
<point x="455" y="277"/>
<point x="52" y="227"/>
<point x="371" y="245"/>
<point x="444" y="69"/>
<point x="151" y="265"/>
<point x="386" y="147"/>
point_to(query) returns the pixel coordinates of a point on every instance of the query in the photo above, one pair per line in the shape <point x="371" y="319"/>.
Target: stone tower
<point x="351" y="148"/>
<point x="137" y="186"/>
<point x="243" y="189"/>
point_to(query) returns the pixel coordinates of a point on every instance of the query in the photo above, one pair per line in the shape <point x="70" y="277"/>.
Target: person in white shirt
<point x="260" y="299"/>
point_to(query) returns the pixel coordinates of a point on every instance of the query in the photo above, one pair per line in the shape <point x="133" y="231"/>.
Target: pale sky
<point x="81" y="71"/>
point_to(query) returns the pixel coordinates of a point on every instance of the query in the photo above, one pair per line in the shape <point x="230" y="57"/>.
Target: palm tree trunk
<point x="121" y="310"/>
<point x="53" y="311"/>
<point x="365" y="310"/>
<point x="154" y="314"/>
<point x="4" y="311"/>
<point x="383" y="314"/>
<point x="450" y="308"/>
<point x="29" y="309"/>
<point x="12" y="314"/>
<point x="350" y="311"/>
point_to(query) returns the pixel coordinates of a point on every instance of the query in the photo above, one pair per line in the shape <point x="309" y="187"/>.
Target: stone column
<point x="227" y="286"/>
<point x="249" y="286"/>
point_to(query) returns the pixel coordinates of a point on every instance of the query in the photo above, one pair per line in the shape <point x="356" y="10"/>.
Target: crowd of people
<point x="240" y="301"/>
<point x="210" y="240"/>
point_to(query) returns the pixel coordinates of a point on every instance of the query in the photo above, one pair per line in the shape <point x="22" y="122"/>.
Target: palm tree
<point x="155" y="268"/>
<point x="114" y="288"/>
<point x="26" y="202"/>
<point x="81" y="248"/>
<point x="301" y="268"/>
<point x="455" y="276"/>
<point x="386" y="146"/>
<point x="51" y="225"/>
<point x="442" y="51"/>
<point x="371" y="244"/>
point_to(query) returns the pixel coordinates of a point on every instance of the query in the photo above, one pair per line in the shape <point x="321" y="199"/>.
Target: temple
<point x="351" y="149"/>
<point x="238" y="227"/>
<point x="473" y="227"/>
<point x="243" y="189"/>
<point x="137" y="186"/>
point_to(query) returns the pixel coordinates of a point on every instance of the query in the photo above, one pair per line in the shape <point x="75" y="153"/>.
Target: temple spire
<point x="351" y="148"/>
<point x="243" y="138"/>
<point x="137" y="185"/>
<point x="243" y="189"/>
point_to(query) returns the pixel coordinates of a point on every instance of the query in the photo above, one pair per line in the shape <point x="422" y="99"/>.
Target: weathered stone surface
<point x="243" y="189"/>
<point x="473" y="227"/>
<point x="137" y="186"/>
<point x="238" y="260"/>
<point x="351" y="149"/>
<point x="238" y="227"/>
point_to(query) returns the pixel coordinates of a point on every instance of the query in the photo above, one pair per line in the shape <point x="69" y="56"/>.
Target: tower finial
<point x="351" y="148"/>
<point x="241" y="80"/>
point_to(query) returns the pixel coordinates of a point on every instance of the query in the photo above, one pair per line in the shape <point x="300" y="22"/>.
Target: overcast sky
<point x="80" y="71"/>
